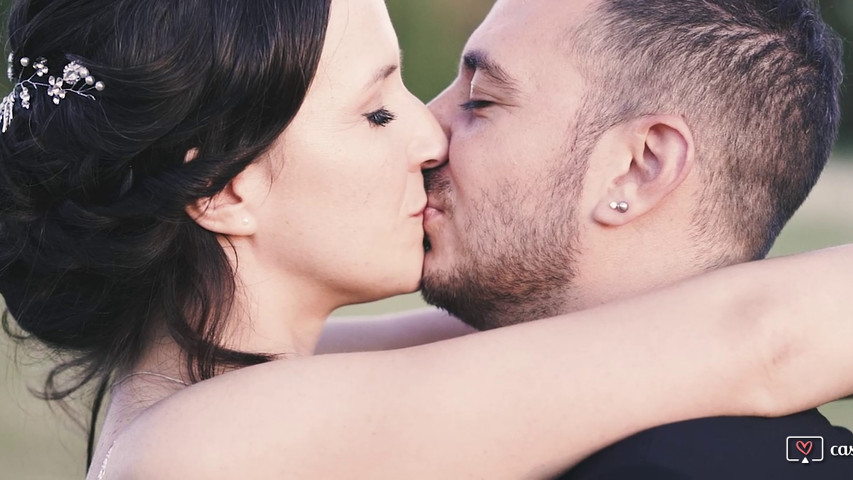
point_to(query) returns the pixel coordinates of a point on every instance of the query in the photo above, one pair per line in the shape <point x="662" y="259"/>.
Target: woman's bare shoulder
<point x="273" y="420"/>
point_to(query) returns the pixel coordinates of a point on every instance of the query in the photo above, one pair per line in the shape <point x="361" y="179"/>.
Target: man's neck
<point x="623" y="276"/>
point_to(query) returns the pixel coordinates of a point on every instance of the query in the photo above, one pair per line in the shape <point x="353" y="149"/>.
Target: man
<point x="603" y="148"/>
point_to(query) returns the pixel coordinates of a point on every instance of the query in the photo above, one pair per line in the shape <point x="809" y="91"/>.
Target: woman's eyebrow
<point x="385" y="72"/>
<point x="381" y="74"/>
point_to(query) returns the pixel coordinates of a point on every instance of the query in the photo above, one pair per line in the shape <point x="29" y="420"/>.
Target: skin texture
<point x="522" y="226"/>
<point x="479" y="406"/>
<point x="333" y="215"/>
<point x="490" y="405"/>
<point x="504" y="227"/>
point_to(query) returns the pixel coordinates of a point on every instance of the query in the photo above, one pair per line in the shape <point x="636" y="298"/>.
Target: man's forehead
<point x="525" y="37"/>
<point x="529" y="16"/>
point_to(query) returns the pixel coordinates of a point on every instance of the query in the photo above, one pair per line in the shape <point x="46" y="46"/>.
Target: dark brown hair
<point x="95" y="243"/>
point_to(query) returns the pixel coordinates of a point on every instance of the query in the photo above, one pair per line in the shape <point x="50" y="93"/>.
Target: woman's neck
<point x="275" y="312"/>
<point x="280" y="317"/>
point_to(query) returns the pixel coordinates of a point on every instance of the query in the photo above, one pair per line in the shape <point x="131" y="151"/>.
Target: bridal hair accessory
<point x="75" y="79"/>
<point x="620" y="207"/>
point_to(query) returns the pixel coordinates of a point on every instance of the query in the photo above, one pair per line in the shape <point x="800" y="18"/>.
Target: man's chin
<point x="447" y="292"/>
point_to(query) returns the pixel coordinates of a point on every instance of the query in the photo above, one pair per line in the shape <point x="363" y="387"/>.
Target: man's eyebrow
<point x="384" y="72"/>
<point x="479" y="61"/>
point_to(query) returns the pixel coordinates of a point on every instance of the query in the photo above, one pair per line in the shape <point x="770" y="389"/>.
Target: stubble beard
<point x="511" y="267"/>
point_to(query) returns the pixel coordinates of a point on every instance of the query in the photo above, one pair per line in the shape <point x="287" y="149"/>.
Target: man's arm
<point x="389" y="332"/>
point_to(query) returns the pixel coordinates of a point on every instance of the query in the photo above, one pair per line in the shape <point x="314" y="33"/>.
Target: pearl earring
<point x="620" y="207"/>
<point x="245" y="220"/>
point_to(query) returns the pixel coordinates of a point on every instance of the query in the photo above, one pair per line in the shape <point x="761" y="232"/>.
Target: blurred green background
<point x="424" y="25"/>
<point x="38" y="443"/>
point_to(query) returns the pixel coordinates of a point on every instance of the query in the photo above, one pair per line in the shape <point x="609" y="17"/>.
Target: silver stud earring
<point x="620" y="207"/>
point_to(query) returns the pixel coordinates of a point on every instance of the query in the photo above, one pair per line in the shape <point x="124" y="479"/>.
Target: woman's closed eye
<point x="380" y="118"/>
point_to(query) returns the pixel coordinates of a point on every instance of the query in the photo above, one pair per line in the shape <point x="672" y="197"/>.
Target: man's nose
<point x="440" y="107"/>
<point x="444" y="106"/>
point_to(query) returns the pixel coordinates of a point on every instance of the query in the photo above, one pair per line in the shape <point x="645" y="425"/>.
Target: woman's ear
<point x="231" y="211"/>
<point x="662" y="153"/>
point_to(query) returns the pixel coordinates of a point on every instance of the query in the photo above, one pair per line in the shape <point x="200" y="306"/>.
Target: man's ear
<point x="659" y="153"/>
<point x="231" y="211"/>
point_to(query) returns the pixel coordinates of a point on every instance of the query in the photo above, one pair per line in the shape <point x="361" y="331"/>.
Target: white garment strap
<point x="103" y="473"/>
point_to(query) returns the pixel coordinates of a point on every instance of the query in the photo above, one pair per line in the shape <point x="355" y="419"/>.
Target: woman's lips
<point x="420" y="211"/>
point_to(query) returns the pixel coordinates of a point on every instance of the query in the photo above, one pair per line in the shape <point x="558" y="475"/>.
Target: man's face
<point x="504" y="230"/>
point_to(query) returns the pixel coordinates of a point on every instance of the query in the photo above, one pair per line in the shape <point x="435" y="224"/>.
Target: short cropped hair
<point x="758" y="82"/>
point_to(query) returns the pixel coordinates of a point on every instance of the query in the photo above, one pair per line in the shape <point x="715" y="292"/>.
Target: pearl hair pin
<point x="75" y="79"/>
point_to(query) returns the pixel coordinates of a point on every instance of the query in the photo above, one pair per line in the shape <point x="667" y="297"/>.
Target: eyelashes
<point x="383" y="116"/>
<point x="380" y="118"/>
<point x="475" y="105"/>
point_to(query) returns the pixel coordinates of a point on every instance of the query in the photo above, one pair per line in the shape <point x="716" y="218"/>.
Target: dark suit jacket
<point x="723" y="448"/>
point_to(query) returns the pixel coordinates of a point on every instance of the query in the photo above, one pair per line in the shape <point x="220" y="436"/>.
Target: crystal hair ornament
<point x="75" y="79"/>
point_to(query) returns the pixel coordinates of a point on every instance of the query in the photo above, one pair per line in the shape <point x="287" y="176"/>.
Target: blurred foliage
<point x="839" y="14"/>
<point x="35" y="444"/>
<point x="432" y="34"/>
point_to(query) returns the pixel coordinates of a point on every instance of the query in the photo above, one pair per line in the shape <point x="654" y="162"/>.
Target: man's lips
<point x="433" y="209"/>
<point x="431" y="213"/>
<point x="432" y="204"/>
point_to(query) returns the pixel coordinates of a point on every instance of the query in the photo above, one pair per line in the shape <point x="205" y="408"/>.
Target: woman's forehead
<point x="360" y="41"/>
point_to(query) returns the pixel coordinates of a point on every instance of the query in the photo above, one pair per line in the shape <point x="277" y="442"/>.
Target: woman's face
<point x="344" y="213"/>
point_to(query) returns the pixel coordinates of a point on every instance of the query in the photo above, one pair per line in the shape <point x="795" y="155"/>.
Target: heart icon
<point x="804" y="447"/>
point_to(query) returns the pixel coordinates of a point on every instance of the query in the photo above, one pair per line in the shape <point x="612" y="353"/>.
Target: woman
<point x="190" y="188"/>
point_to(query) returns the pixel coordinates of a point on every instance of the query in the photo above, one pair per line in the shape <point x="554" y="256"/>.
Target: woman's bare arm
<point x="761" y="339"/>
